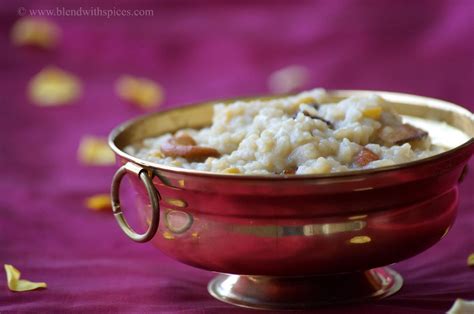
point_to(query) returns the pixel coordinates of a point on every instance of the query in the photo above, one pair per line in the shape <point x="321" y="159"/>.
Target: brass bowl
<point x="296" y="241"/>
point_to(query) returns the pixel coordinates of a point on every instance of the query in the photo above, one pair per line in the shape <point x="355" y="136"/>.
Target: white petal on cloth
<point x="462" y="307"/>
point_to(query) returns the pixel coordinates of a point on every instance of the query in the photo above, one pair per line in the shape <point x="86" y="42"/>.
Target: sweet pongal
<point x="299" y="134"/>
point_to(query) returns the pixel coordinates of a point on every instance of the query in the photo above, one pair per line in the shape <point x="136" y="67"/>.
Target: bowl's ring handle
<point x="153" y="195"/>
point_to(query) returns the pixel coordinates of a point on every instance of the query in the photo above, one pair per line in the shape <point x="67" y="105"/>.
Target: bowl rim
<point x="416" y="99"/>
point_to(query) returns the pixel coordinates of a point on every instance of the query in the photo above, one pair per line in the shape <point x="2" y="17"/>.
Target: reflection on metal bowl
<point x="298" y="240"/>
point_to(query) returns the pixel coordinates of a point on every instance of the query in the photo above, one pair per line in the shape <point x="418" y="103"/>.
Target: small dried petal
<point x="462" y="307"/>
<point x="373" y="112"/>
<point x="365" y="156"/>
<point x="470" y="260"/>
<point x="231" y="170"/>
<point x="142" y="92"/>
<point x="95" y="151"/>
<point x="16" y="284"/>
<point x="360" y="240"/>
<point x="54" y="87"/>
<point x="30" y="31"/>
<point x="288" y="79"/>
<point x="99" y="202"/>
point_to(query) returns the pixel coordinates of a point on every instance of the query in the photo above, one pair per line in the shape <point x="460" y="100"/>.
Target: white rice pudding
<point x="301" y="134"/>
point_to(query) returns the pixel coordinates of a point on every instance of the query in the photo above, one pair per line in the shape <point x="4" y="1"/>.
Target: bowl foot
<point x="264" y="292"/>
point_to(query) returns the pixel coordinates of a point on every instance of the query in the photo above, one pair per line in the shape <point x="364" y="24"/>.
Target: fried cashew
<point x="400" y="134"/>
<point x="289" y="170"/>
<point x="365" y="156"/>
<point x="183" y="139"/>
<point x="186" y="147"/>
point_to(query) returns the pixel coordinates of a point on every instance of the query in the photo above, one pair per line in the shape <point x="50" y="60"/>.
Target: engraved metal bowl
<point x="296" y="241"/>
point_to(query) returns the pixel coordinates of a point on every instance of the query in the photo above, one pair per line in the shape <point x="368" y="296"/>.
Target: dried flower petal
<point x="95" y="151"/>
<point x="231" y="170"/>
<point x="99" y="202"/>
<point x="470" y="260"/>
<point x="462" y="307"/>
<point x="37" y="32"/>
<point x="142" y="92"/>
<point x="360" y="239"/>
<point x="373" y="112"/>
<point x="288" y="79"/>
<point x="54" y="87"/>
<point x="16" y="284"/>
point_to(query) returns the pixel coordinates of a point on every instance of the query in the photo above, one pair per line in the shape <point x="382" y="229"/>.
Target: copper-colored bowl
<point x="296" y="240"/>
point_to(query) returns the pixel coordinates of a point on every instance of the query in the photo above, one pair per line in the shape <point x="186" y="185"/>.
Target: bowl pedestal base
<point x="264" y="292"/>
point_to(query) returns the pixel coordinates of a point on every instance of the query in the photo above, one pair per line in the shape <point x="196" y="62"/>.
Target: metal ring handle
<point x="153" y="195"/>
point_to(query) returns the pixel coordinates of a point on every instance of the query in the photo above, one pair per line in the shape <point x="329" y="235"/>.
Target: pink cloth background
<point x="202" y="51"/>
